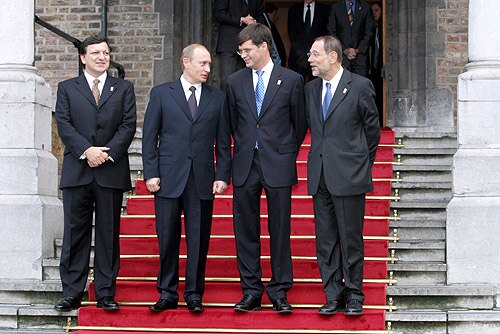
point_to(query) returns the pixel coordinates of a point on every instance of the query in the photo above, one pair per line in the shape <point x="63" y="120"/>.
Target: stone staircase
<point x="424" y="302"/>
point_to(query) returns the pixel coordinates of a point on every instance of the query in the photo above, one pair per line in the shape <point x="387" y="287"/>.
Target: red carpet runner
<point x="136" y="287"/>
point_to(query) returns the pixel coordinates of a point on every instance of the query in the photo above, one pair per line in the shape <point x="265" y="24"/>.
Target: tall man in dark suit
<point x="345" y="134"/>
<point x="270" y="17"/>
<point x="351" y="22"/>
<point x="376" y="59"/>
<point x="306" y="21"/>
<point x="233" y="16"/>
<point x="183" y="120"/>
<point x="96" y="119"/>
<point x="266" y="104"/>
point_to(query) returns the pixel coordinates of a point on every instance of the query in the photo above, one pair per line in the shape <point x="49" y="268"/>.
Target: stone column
<point x="473" y="215"/>
<point x="30" y="211"/>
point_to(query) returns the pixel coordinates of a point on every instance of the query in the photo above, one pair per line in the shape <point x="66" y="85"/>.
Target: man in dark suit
<point x="233" y="16"/>
<point x="351" y="22"/>
<point x="183" y="120"/>
<point x="306" y="21"/>
<point x="376" y="59"/>
<point x="96" y="119"/>
<point x="266" y="104"/>
<point x="344" y="134"/>
<point x="270" y="17"/>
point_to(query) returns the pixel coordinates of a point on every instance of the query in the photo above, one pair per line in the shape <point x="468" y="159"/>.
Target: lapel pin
<point x="344" y="91"/>
<point x="111" y="89"/>
<point x="279" y="82"/>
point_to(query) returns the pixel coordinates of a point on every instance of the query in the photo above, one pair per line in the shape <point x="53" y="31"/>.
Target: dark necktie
<point x="95" y="91"/>
<point x="327" y="99"/>
<point x="193" y="106"/>
<point x="350" y="13"/>
<point x="307" y="21"/>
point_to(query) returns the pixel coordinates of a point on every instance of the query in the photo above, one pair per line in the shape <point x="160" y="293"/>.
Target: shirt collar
<point x="90" y="78"/>
<point x="268" y="68"/>
<point x="186" y="85"/>
<point x="336" y="78"/>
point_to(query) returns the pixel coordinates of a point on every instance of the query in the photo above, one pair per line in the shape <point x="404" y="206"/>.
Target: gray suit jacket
<point x="345" y="144"/>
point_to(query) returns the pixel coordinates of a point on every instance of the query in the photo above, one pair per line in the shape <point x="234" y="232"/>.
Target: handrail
<point x="76" y="42"/>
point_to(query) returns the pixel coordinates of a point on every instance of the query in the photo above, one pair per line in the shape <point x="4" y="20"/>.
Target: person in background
<point x="183" y="121"/>
<point x="233" y="16"/>
<point x="345" y="132"/>
<point x="351" y="22"/>
<point x="376" y="59"/>
<point x="270" y="17"/>
<point x="96" y="120"/>
<point x="306" y="21"/>
<point x="266" y="106"/>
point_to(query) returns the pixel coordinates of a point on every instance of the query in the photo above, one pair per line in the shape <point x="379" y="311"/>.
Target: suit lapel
<point x="341" y="92"/>
<point x="178" y="94"/>
<point x="83" y="87"/>
<point x="247" y="85"/>
<point x="272" y="88"/>
<point x="110" y="86"/>
<point x="205" y="98"/>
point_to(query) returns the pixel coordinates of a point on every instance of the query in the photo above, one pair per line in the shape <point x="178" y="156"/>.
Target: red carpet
<point x="136" y="287"/>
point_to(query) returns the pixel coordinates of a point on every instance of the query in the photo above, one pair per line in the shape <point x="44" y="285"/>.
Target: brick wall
<point x="453" y="21"/>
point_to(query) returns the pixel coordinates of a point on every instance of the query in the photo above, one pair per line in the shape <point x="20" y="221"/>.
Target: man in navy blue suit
<point x="268" y="123"/>
<point x="183" y="121"/>
<point x="96" y="119"/>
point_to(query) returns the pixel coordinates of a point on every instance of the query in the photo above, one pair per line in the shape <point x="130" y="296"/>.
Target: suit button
<point x="258" y="126"/>
<point x="192" y="141"/>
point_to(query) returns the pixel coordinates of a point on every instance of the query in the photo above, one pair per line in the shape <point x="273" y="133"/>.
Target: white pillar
<point x="473" y="215"/>
<point x="30" y="211"/>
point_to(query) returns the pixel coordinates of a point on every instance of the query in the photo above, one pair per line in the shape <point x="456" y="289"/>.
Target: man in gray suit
<point x="345" y="133"/>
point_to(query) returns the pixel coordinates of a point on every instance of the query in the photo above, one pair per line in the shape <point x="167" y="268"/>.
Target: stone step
<point x="425" y="151"/>
<point x="417" y="321"/>
<point x="416" y="213"/>
<point x="419" y="229"/>
<point x="422" y="168"/>
<point x="37" y="318"/>
<point x="425" y="183"/>
<point x="442" y="297"/>
<point x="411" y="196"/>
<point x="421" y="204"/>
<point x="430" y="139"/>
<point x="29" y="292"/>
<point x="419" y="251"/>
<point x="418" y="273"/>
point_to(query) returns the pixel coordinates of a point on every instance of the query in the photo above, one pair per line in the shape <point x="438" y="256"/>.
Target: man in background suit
<point x="270" y="17"/>
<point x="344" y="138"/>
<point x="306" y="21"/>
<point x="376" y="59"/>
<point x="266" y="104"/>
<point x="351" y="22"/>
<point x="96" y="120"/>
<point x="183" y="120"/>
<point x="233" y="16"/>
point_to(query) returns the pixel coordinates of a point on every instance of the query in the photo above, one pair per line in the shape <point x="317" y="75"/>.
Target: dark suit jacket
<point x="82" y="124"/>
<point x="301" y="40"/>
<point x="228" y="14"/>
<point x="172" y="141"/>
<point x="344" y="146"/>
<point x="356" y="36"/>
<point x="279" y="129"/>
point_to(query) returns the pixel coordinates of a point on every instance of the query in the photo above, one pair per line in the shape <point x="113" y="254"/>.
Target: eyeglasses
<point x="243" y="52"/>
<point x="315" y="54"/>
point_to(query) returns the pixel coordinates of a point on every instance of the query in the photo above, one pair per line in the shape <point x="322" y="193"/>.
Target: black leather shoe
<point x="331" y="308"/>
<point x="195" y="306"/>
<point x="108" y="304"/>
<point x="68" y="304"/>
<point x="163" y="305"/>
<point x="354" y="307"/>
<point x="281" y="305"/>
<point x="248" y="303"/>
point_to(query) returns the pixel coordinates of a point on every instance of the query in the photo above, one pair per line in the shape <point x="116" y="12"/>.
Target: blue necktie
<point x="327" y="99"/>
<point x="259" y="91"/>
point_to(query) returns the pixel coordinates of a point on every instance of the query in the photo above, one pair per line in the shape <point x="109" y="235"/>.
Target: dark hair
<point x="257" y="33"/>
<point x="270" y="8"/>
<point x="93" y="39"/>
<point x="331" y="43"/>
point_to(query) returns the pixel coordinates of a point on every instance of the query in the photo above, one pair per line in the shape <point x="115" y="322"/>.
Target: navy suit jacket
<point x="358" y="35"/>
<point x="81" y="124"/>
<point x="228" y="13"/>
<point x="299" y="37"/>
<point x="279" y="129"/>
<point x="172" y="141"/>
<point x="345" y="144"/>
